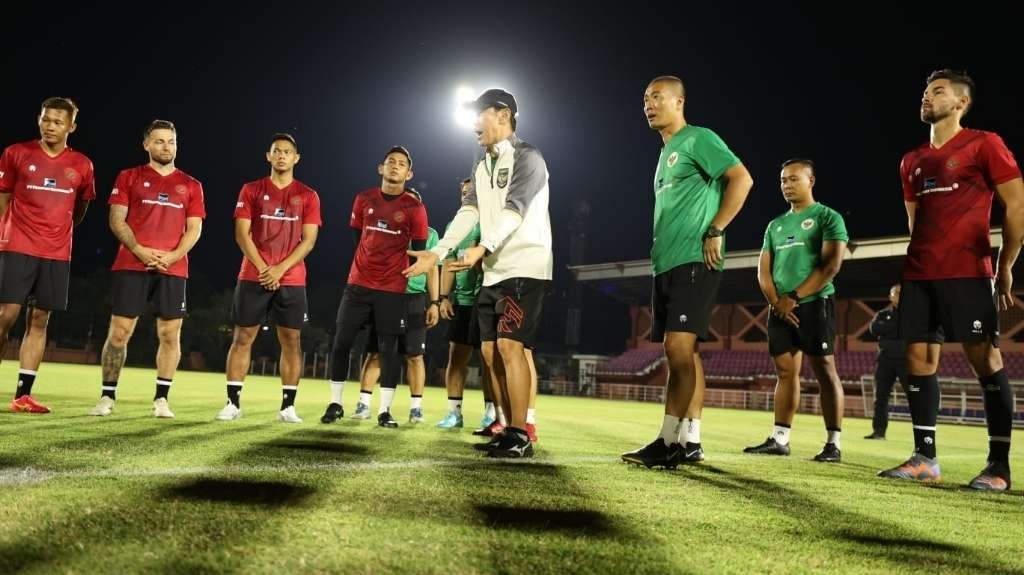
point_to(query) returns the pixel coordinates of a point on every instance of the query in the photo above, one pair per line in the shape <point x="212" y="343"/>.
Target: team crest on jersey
<point x="502" y="177"/>
<point x="672" y="159"/>
<point x="296" y="200"/>
<point x="72" y="175"/>
<point x="279" y="212"/>
<point x="181" y="189"/>
<point x="807" y="224"/>
<point x="952" y="164"/>
<point x="398" y="217"/>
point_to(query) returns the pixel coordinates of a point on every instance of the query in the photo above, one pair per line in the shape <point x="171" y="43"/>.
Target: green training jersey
<point x="688" y="188"/>
<point x="794" y="241"/>
<point x="467" y="283"/>
<point x="418" y="284"/>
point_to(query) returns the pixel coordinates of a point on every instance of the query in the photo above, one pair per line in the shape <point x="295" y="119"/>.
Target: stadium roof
<point x="870" y="266"/>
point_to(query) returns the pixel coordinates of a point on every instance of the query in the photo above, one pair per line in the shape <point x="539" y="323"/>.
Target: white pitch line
<point x="30" y="475"/>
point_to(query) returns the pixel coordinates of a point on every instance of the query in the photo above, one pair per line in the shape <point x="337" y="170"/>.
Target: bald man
<point x="699" y="187"/>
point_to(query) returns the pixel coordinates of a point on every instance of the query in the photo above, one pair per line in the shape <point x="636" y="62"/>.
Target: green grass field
<point x="129" y="493"/>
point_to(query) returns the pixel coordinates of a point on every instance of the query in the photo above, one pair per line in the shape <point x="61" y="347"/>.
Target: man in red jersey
<point x="45" y="189"/>
<point x="385" y="221"/>
<point x="156" y="212"/>
<point x="277" y="219"/>
<point x="947" y="293"/>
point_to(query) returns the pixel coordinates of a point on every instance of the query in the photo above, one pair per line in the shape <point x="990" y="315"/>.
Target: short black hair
<point x="671" y="80"/>
<point x="283" y="137"/>
<point x="158" y="125"/>
<point x="399" y="150"/>
<point x="958" y="78"/>
<point x="60" y="103"/>
<point x="801" y="161"/>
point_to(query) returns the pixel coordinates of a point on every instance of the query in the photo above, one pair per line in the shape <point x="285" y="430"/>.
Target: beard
<point x="934" y="116"/>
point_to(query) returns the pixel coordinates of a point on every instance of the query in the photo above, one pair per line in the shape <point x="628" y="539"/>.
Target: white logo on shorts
<point x="977" y="326"/>
<point x="683" y="318"/>
<point x="824" y="345"/>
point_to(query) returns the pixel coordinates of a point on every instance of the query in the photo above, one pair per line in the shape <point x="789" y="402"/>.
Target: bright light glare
<point x="464" y="117"/>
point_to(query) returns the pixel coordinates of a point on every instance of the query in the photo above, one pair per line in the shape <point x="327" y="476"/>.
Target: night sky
<point x="349" y="81"/>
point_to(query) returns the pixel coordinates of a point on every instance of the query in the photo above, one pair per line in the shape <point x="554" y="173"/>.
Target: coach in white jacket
<point x="510" y="201"/>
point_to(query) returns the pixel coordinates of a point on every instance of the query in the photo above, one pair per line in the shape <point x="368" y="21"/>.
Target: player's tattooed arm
<point x="123" y="232"/>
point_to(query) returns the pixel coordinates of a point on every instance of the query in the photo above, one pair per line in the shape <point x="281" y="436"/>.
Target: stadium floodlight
<point x="464" y="116"/>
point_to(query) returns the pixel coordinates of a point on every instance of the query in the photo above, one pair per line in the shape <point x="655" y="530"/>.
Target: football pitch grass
<point x="129" y="493"/>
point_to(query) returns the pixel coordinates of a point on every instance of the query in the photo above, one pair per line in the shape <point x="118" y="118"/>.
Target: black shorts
<point x="39" y="282"/>
<point x="464" y="328"/>
<point x="362" y="306"/>
<point x="131" y="290"/>
<point x="510" y="309"/>
<point x="254" y="305"/>
<point x="683" y="300"/>
<point x="956" y="310"/>
<point x="817" y="332"/>
<point x="414" y="341"/>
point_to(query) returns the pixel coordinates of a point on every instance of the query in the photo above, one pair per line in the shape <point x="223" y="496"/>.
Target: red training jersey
<point x="44" y="191"/>
<point x="158" y="207"/>
<point x="387" y="225"/>
<point x="277" y="216"/>
<point x="953" y="187"/>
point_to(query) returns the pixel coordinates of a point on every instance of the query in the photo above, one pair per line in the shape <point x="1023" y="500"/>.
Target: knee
<point x="119" y="335"/>
<point x="414" y="360"/>
<point x="244" y="336"/>
<point x="39" y="320"/>
<point x="169" y="336"/>
<point x="289" y="339"/>
<point x="509" y="348"/>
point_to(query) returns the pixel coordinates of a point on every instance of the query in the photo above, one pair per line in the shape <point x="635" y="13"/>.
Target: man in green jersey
<point x="699" y="187"/>
<point x="422" y="314"/>
<point x="803" y="249"/>
<point x="458" y="305"/>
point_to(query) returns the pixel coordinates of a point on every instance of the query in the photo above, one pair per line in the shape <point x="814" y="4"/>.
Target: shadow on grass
<point x="308" y="446"/>
<point x="538" y="520"/>
<point x="250" y="492"/>
<point x="869" y="536"/>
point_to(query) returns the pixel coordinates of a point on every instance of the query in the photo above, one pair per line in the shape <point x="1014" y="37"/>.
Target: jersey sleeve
<point x="356" y="220"/>
<point x="997" y="160"/>
<point x="244" y="207"/>
<point x="833" y="228"/>
<point x="8" y="170"/>
<point x="121" y="194"/>
<point x="87" y="187"/>
<point x="311" y="210"/>
<point x="196" y="201"/>
<point x="766" y="246"/>
<point x="905" y="180"/>
<point x="418" y="222"/>
<point x="712" y="155"/>
<point x="432" y="238"/>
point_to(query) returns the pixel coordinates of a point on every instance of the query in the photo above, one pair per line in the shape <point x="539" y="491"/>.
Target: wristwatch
<point x="712" y="232"/>
<point x="794" y="296"/>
